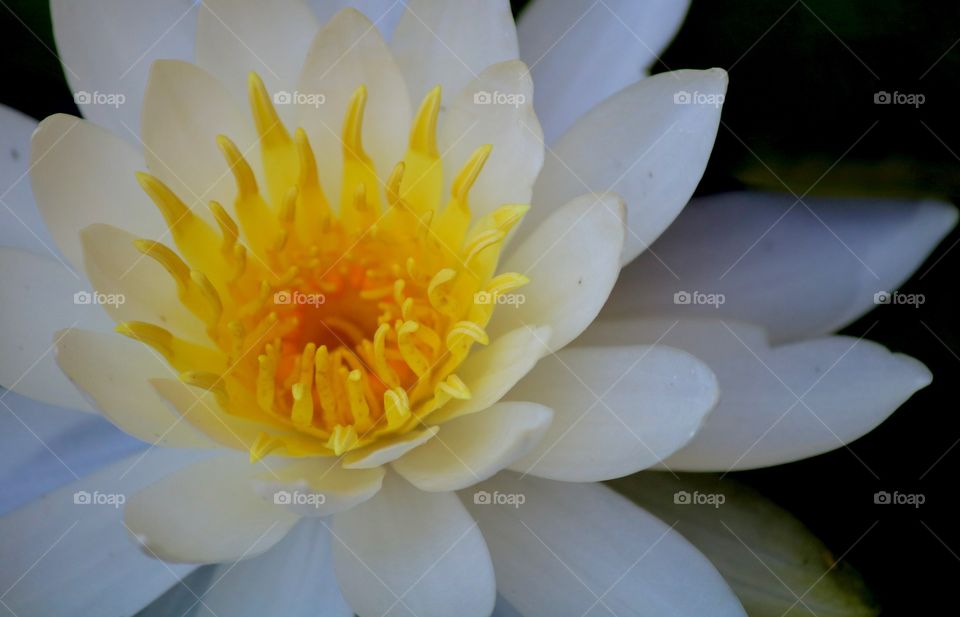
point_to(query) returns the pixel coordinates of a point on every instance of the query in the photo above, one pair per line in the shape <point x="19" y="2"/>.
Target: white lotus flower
<point x="318" y="288"/>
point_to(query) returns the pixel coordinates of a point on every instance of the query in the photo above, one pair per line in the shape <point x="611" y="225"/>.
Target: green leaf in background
<point x="771" y="560"/>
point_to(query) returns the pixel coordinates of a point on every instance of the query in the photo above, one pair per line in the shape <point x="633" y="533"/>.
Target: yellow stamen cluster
<point x="335" y="328"/>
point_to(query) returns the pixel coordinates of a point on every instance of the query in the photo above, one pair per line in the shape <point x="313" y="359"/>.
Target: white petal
<point x="387" y="450"/>
<point x="411" y="553"/>
<point x="317" y="486"/>
<point x="383" y="13"/>
<point x="294" y="579"/>
<point x="44" y="447"/>
<point x="207" y="513"/>
<point x="142" y="289"/>
<point x="235" y="37"/>
<point x="20" y="222"/>
<point x="799" y="269"/>
<point x="582" y="52"/>
<point x="779" y="404"/>
<point x="114" y="372"/>
<point x="349" y="52"/>
<point x="184" y="110"/>
<point x="450" y="43"/>
<point x="37" y="299"/>
<point x="768" y="556"/>
<point x="475" y="447"/>
<point x="82" y="174"/>
<point x="490" y="372"/>
<point x="506" y="122"/>
<point x="617" y="410"/>
<point x="107" y="46"/>
<point x="82" y="550"/>
<point x="641" y="144"/>
<point x="581" y="549"/>
<point x="572" y="260"/>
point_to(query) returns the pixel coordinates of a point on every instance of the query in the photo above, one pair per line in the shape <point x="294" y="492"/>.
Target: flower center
<point x="335" y="328"/>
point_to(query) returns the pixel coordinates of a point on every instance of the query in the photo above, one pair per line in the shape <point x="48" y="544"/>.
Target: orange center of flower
<point x="333" y="328"/>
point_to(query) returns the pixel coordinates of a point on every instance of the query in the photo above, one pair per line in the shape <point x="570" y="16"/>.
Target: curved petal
<point x="207" y="512"/>
<point x="410" y="552"/>
<point x="388" y="450"/>
<point x="617" y="410"/>
<point x="450" y="43"/>
<point x="114" y="372"/>
<point x="800" y="269"/>
<point x="491" y="372"/>
<point x="347" y="53"/>
<point x="43" y="447"/>
<point x="38" y="298"/>
<point x="567" y="41"/>
<point x="383" y="13"/>
<point x="318" y="487"/>
<point x="572" y="260"/>
<point x="475" y="447"/>
<point x="81" y="523"/>
<point x="769" y="557"/>
<point x="506" y="121"/>
<point x="184" y="110"/>
<point x="235" y="37"/>
<point x="563" y="549"/>
<point x="107" y="46"/>
<point x="21" y="225"/>
<point x="298" y="572"/>
<point x="144" y="290"/>
<point x="648" y="143"/>
<point x="779" y="404"/>
<point x="82" y="174"/>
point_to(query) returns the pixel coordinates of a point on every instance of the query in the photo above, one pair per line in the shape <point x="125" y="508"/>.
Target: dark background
<point x="803" y="74"/>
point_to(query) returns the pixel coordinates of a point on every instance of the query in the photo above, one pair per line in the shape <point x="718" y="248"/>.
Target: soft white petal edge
<point x="648" y="143"/>
<point x="317" y="486"/>
<point x="206" y="513"/>
<point x="781" y="403"/>
<point x="107" y="47"/>
<point x="450" y="43"/>
<point x="409" y="549"/>
<point x="21" y="225"/>
<point x="617" y="409"/>
<point x="800" y="269"/>
<point x="583" y="52"/>
<point x="298" y="572"/>
<point x="570" y="548"/>
<point x="49" y="537"/>
<point x="475" y="447"/>
<point x="83" y="174"/>
<point x="38" y="298"/>
<point x="572" y="260"/>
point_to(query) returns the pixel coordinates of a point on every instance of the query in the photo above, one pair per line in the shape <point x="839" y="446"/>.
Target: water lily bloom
<point x="384" y="332"/>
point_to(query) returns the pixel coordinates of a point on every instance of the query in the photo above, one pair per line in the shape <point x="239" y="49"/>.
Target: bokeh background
<point x="799" y="113"/>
